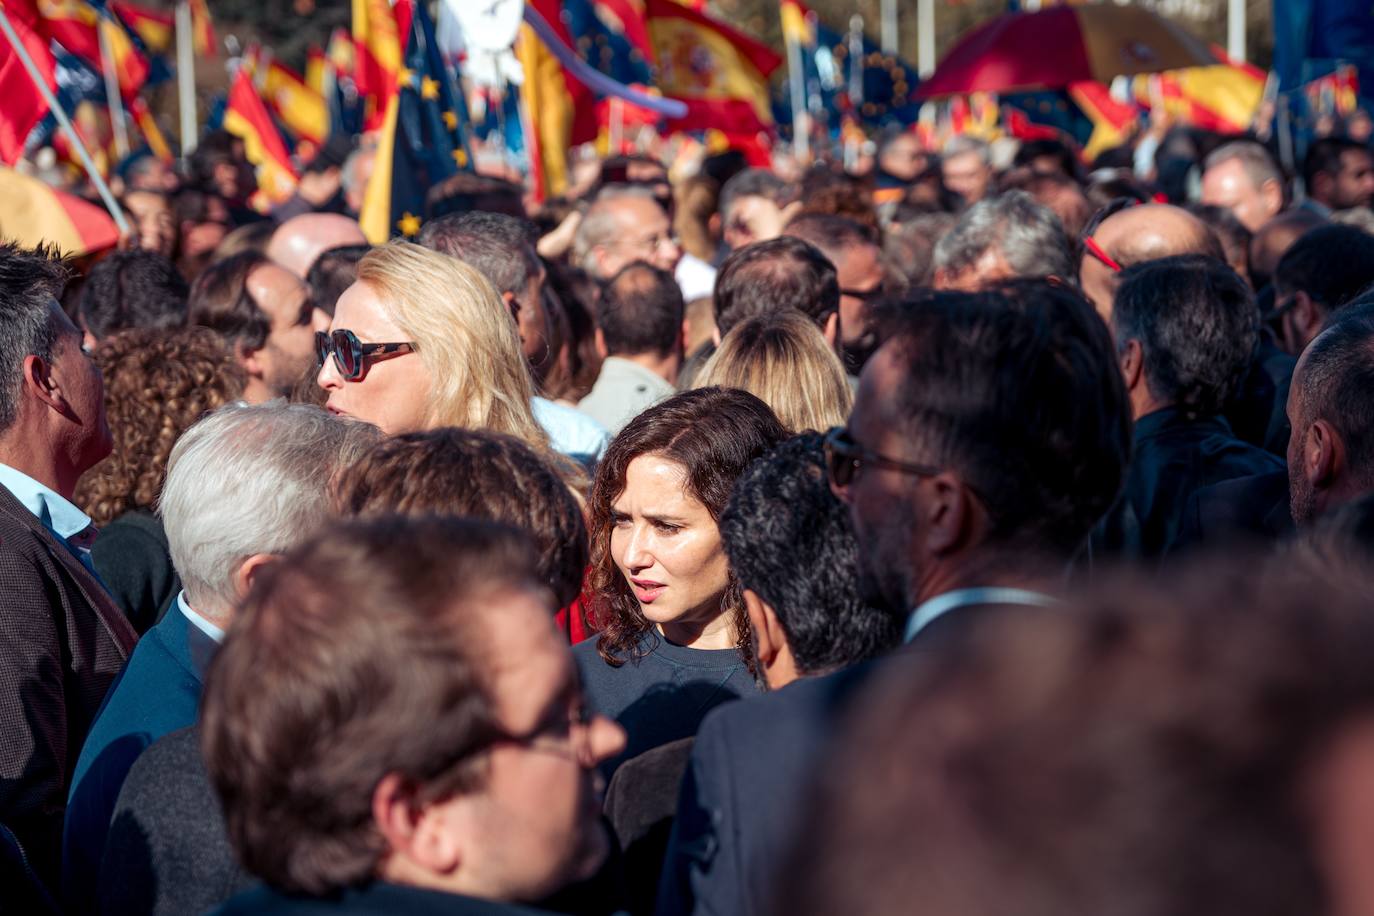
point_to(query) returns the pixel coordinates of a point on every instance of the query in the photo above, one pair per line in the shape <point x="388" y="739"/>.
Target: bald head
<point x="1274" y="239"/>
<point x="1139" y="234"/>
<point x="300" y="240"/>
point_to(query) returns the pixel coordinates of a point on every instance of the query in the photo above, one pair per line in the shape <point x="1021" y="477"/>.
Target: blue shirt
<point x="571" y="432"/>
<point x="932" y="609"/>
<point x="55" y="511"/>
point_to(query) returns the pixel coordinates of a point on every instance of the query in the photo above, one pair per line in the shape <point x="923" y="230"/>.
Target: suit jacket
<point x="1253" y="510"/>
<point x="641" y="802"/>
<point x="157" y="693"/>
<point x="133" y="560"/>
<point x="167" y="851"/>
<point x="750" y="770"/>
<point x="62" y="642"/>
<point x="377" y="899"/>
<point x="1173" y="457"/>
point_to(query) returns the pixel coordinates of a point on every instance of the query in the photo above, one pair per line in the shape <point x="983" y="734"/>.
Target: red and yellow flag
<point x="721" y="74"/>
<point x="32" y="212"/>
<point x="377" y="31"/>
<point x="246" y="117"/>
<point x="300" y="108"/>
<point x="152" y="133"/>
<point x="202" y="29"/>
<point x="1223" y="98"/>
<point x="156" y="29"/>
<point x="76" y="25"/>
<point x="1112" y="120"/>
<point x="21" y="106"/>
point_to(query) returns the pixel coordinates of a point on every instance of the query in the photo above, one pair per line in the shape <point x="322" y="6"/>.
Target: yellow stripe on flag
<point x="375" y="216"/>
<point x="548" y="108"/>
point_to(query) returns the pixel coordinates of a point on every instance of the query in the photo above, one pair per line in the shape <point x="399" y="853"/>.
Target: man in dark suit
<point x="243" y="485"/>
<point x="393" y="725"/>
<point x="1185" y="328"/>
<point x="950" y="533"/>
<point x="62" y="640"/>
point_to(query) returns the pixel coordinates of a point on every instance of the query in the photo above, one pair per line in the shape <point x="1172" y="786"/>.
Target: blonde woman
<point x="784" y="360"/>
<point x="423" y="341"/>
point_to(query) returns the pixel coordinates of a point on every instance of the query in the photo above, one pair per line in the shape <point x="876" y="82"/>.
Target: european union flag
<point x="432" y="126"/>
<point x="603" y="45"/>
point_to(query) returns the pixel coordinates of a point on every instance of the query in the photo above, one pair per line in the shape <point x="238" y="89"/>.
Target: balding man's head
<point x="300" y="240"/>
<point x="1138" y="234"/>
<point x="1274" y="239"/>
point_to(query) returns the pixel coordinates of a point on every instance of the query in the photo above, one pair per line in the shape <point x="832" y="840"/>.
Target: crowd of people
<point x="978" y="534"/>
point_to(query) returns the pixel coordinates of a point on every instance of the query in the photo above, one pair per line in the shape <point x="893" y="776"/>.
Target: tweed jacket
<point x="62" y="642"/>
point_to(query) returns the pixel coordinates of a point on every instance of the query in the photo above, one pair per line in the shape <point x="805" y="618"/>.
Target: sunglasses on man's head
<point x="352" y="356"/>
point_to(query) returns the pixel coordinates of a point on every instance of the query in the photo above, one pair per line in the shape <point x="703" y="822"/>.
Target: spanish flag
<point x="299" y="107"/>
<point x="156" y="29"/>
<point x="1223" y="98"/>
<point x="559" y="109"/>
<point x="32" y="212"/>
<point x="316" y="70"/>
<point x="246" y="117"/>
<point x="21" y="107"/>
<point x="202" y="30"/>
<point x="423" y="140"/>
<point x="73" y="24"/>
<point x="1112" y="120"/>
<point x="721" y="74"/>
<point x="377" y="31"/>
<point x="152" y="133"/>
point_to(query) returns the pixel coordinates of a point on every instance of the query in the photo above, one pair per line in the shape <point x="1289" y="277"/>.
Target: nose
<point x="638" y="555"/>
<point x="605" y="739"/>
<point x="669" y="252"/>
<point x="328" y="377"/>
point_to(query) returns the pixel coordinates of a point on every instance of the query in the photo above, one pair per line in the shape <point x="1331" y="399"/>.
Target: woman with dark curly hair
<point x="674" y="636"/>
<point x="158" y="382"/>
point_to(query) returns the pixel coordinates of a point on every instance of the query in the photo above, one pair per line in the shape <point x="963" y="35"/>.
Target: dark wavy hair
<point x="477" y="474"/>
<point x="714" y="433"/>
<point x="158" y="382"/>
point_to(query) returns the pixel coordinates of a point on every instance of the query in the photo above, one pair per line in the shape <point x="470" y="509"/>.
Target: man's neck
<point x="1143" y="403"/>
<point x="989" y="569"/>
<point x="17" y="451"/>
<point x="665" y="367"/>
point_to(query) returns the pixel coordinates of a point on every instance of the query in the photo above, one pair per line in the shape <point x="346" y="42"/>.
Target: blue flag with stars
<point x="432" y="127"/>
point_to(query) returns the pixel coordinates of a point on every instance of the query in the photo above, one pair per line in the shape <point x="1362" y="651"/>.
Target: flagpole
<point x="113" y="99"/>
<point x="186" y="78"/>
<point x="796" y="80"/>
<point x="1235" y="31"/>
<point x="72" y="136"/>
<point x="925" y="37"/>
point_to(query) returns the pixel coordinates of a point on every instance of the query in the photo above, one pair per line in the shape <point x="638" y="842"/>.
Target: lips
<point x="647" y="590"/>
<point x="334" y="410"/>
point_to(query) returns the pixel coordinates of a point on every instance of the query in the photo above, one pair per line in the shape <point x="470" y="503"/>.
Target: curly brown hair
<point x="157" y="383"/>
<point x="714" y="433"/>
<point x="479" y="474"/>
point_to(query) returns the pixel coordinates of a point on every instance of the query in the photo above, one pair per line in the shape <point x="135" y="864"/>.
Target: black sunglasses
<point x="844" y="457"/>
<point x="351" y="355"/>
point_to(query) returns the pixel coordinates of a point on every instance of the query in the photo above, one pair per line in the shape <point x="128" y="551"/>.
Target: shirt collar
<point x="56" y="512"/>
<point x="197" y="621"/>
<point x="934" y="608"/>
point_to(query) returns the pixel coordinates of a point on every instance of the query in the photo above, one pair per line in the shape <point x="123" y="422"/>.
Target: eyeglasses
<point x="844" y="457"/>
<point x="560" y="736"/>
<point x="352" y="356"/>
<point x="1100" y="254"/>
<point x="864" y="295"/>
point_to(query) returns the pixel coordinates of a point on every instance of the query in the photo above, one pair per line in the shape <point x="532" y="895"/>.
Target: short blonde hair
<point x="465" y="335"/>
<point x="784" y="360"/>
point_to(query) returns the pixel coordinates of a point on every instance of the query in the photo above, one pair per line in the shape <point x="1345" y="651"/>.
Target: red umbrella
<point x="1056" y="47"/>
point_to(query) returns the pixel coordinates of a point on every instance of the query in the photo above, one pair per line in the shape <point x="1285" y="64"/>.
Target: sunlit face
<point x="645" y="234"/>
<point x="752" y="219"/>
<point x="859" y="270"/>
<point x="87" y="438"/>
<point x="1227" y="185"/>
<point x="903" y="158"/>
<point x="536" y="818"/>
<point x="1354" y="184"/>
<point x="290" y="346"/>
<point x="967" y="175"/>
<point x="394" y="394"/>
<point x="152" y="215"/>
<point x="668" y="547"/>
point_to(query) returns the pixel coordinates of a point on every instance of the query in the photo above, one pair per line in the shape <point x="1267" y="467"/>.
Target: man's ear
<point x="1308" y="317"/>
<point x="1323" y="455"/>
<point x="250" y="358"/>
<point x="1272" y="192"/>
<point x="1131" y="359"/>
<point x="417" y="840"/>
<point x="832" y="330"/>
<point x="951" y="519"/>
<point x="39" y="382"/>
<point x="766" y="645"/>
<point x="249" y="570"/>
<point x="600" y="340"/>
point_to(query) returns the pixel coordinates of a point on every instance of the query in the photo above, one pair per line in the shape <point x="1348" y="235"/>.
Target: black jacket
<point x="377" y="899"/>
<point x="1173" y="457"/>
<point x="132" y="558"/>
